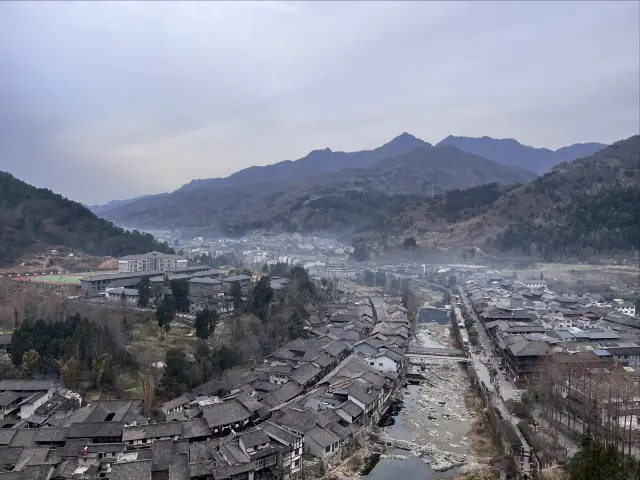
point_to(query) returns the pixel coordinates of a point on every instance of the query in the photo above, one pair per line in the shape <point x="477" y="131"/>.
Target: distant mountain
<point x="315" y="163"/>
<point x="100" y="209"/>
<point x="508" y="151"/>
<point x="278" y="204"/>
<point x="33" y="218"/>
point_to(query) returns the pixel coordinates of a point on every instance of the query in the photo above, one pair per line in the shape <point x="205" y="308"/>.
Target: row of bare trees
<point x="574" y="397"/>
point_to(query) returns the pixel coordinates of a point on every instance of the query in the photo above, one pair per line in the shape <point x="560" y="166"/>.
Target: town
<point x="547" y="368"/>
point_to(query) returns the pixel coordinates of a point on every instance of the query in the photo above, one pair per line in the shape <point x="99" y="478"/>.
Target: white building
<point x="339" y="273"/>
<point x="623" y="306"/>
<point x="128" y="296"/>
<point x="156" y="261"/>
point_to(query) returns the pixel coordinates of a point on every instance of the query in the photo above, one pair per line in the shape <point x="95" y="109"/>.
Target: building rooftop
<point x="152" y="255"/>
<point x="225" y="413"/>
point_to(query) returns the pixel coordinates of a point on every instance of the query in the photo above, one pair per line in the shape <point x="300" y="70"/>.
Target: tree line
<point x="75" y="348"/>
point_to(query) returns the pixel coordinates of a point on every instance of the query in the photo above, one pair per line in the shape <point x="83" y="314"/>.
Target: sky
<point x="102" y="101"/>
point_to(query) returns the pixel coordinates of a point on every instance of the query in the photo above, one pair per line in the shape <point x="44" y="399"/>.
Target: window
<point x="326" y="450"/>
<point x="380" y="364"/>
<point x="296" y="463"/>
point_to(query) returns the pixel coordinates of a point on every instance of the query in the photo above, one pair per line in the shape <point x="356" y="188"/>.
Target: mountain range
<point x="440" y="194"/>
<point x="405" y="165"/>
<point x="511" y="152"/>
<point x="260" y="194"/>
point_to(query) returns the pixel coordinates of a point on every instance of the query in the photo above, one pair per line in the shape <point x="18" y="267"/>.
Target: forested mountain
<point x="33" y="218"/>
<point x="511" y="152"/>
<point x="420" y="172"/>
<point x="589" y="206"/>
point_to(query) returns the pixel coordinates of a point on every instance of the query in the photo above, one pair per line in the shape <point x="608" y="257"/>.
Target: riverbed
<point x="434" y="418"/>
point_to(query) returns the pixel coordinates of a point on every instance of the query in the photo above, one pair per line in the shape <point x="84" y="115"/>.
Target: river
<point x="434" y="415"/>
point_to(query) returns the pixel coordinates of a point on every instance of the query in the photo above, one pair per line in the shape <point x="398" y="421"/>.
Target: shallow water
<point x="450" y="424"/>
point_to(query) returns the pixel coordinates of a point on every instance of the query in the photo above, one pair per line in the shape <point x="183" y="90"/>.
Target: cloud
<point x="104" y="100"/>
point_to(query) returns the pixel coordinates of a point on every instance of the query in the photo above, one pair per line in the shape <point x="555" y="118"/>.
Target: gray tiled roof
<point x="196" y="427"/>
<point x="304" y="373"/>
<point x="153" y="430"/>
<point x="249" y="402"/>
<point x="285" y="393"/>
<point x="225" y="413"/>
<point x="51" y="435"/>
<point x="25" y="385"/>
<point x="7" y="398"/>
<point x="297" y="419"/>
<point x="351" y="408"/>
<point x="322" y="437"/>
<point x="24" y="437"/>
<point x="6" y="434"/>
<point x="96" y="429"/>
<point x="253" y="438"/>
<point x="10" y="455"/>
<point x="136" y="470"/>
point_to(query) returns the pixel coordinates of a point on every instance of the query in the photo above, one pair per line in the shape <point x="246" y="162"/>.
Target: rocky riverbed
<point x="432" y="437"/>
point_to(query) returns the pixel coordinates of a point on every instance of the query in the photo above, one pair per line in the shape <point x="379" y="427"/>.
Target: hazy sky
<point x="102" y="101"/>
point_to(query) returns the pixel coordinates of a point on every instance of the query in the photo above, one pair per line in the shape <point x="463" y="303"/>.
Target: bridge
<point x="418" y="355"/>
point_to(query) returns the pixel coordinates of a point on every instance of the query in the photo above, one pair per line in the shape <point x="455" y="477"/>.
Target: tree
<point x="30" y="364"/>
<point x="224" y="358"/>
<point x="206" y="321"/>
<point x="279" y="269"/>
<point x="165" y="313"/>
<point x="69" y="373"/>
<point x="262" y="297"/>
<point x="101" y="370"/>
<point x="409" y="243"/>
<point x="360" y="253"/>
<point x="265" y="268"/>
<point x="236" y="294"/>
<point x="144" y="292"/>
<point x="203" y="361"/>
<point x="176" y="370"/>
<point x="180" y="293"/>
<point x="148" y="383"/>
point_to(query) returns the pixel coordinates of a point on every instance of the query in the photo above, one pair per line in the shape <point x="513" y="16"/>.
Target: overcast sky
<point x="102" y="101"/>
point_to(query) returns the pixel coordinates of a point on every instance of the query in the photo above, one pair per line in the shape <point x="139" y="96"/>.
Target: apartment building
<point x="152" y="261"/>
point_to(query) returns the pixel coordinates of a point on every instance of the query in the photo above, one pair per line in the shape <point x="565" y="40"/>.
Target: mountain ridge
<point x="509" y="151"/>
<point x="326" y="160"/>
<point x="33" y="218"/>
<point x="417" y="172"/>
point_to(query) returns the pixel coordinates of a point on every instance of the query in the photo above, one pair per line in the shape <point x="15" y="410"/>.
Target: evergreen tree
<point x="206" y="321"/>
<point x="144" y="292"/>
<point x="180" y="293"/>
<point x="165" y="313"/>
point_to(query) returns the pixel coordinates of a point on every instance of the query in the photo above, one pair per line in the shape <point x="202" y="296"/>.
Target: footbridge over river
<point x="418" y="355"/>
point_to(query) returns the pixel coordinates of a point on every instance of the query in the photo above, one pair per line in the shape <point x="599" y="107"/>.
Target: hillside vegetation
<point x="589" y="206"/>
<point x="33" y="218"/>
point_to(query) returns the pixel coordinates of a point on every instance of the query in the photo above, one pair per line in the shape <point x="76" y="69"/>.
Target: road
<point x="500" y="388"/>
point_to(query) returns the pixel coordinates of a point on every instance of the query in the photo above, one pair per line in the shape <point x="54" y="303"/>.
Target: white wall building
<point x="339" y="273"/>
<point x="150" y="261"/>
<point x="624" y="306"/>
